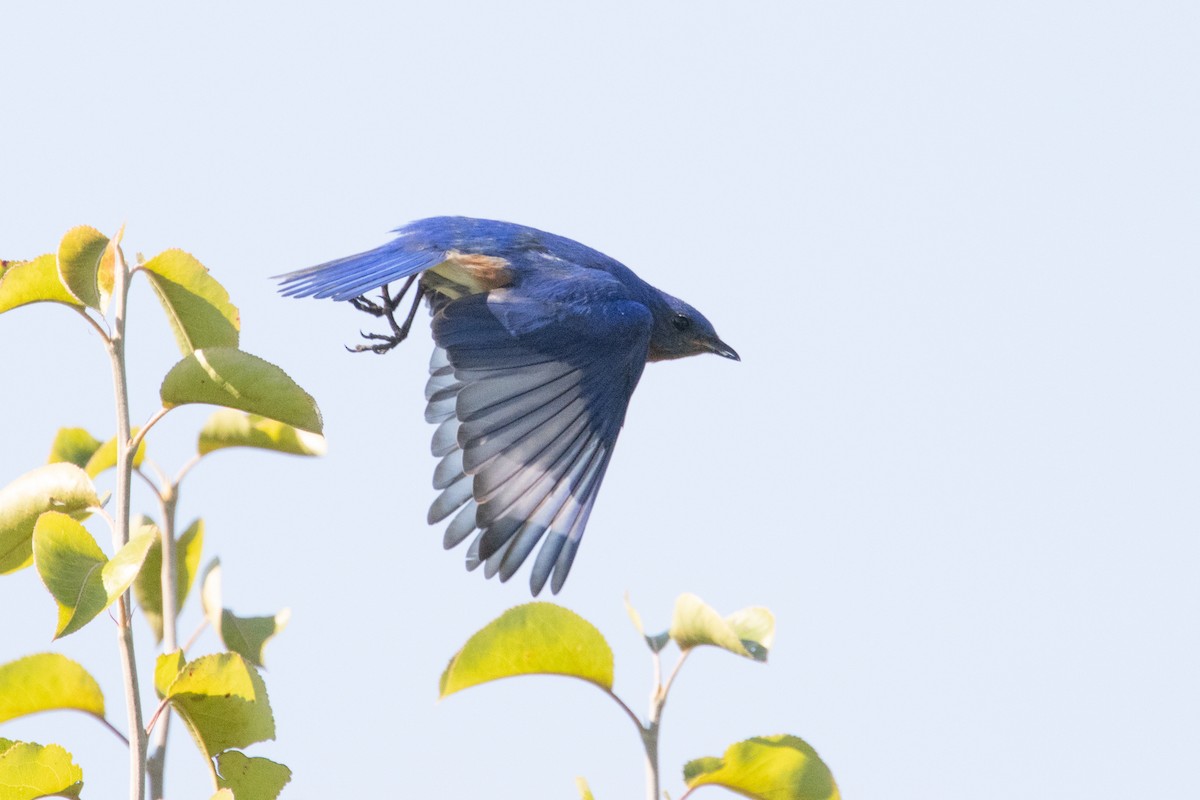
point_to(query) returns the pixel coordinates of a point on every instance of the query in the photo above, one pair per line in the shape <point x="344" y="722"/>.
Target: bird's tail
<point x="352" y="276"/>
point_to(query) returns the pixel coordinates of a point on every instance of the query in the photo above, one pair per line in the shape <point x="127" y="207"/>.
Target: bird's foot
<point x="385" y="343"/>
<point x="369" y="306"/>
<point x="387" y="308"/>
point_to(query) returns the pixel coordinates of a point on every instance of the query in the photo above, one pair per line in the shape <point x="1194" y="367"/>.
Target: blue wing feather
<point x="536" y="425"/>
<point x="349" y="277"/>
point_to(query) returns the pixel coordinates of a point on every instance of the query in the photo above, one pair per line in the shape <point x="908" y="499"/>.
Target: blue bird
<point x="540" y="343"/>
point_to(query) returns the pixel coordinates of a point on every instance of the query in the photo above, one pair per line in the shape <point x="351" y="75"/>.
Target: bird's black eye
<point x="681" y="322"/>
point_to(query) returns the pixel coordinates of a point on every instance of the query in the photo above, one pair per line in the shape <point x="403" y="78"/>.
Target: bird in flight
<point x="540" y="342"/>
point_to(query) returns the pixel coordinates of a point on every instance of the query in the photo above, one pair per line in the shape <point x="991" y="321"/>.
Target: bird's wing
<point x="529" y="396"/>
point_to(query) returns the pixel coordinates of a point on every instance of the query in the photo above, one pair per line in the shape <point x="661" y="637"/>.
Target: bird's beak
<point x="715" y="345"/>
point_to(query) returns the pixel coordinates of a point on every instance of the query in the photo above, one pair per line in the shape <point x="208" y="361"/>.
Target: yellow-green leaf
<point x="78" y="574"/>
<point x="532" y="639"/>
<point x="755" y="626"/>
<point x="767" y="768"/>
<point x="29" y="771"/>
<point x="197" y="306"/>
<point x="251" y="778"/>
<point x="46" y="682"/>
<point x="58" y="487"/>
<point x="585" y="792"/>
<point x="79" y="256"/>
<point x="247" y="636"/>
<point x="224" y="702"/>
<point x="105" y="457"/>
<point x="33" y="281"/>
<point x="656" y="642"/>
<point x="73" y="445"/>
<point x="748" y="632"/>
<point x="229" y="428"/>
<point x="166" y="670"/>
<point x="106" y="271"/>
<point x="148" y="586"/>
<point x="223" y="794"/>
<point x="122" y="570"/>
<point x="224" y="376"/>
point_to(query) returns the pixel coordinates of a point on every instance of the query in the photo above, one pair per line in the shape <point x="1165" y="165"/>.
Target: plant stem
<point x="650" y="731"/>
<point x="650" y="743"/>
<point x="133" y="703"/>
<point x="156" y="767"/>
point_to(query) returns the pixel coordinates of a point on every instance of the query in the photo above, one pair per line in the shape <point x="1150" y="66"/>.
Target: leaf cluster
<point x="221" y="697"/>
<point x="542" y="638"/>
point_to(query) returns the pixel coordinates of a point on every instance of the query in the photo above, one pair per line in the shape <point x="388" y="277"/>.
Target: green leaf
<point x="768" y="768"/>
<point x="532" y="639"/>
<point x="74" y="446"/>
<point x="166" y="670"/>
<point x="46" y="682"/>
<point x="585" y="792"/>
<point x="748" y="632"/>
<point x="29" y="771"/>
<point x="251" y="778"/>
<point x="120" y="572"/>
<point x="229" y="428"/>
<point x="79" y="256"/>
<point x="224" y="702"/>
<point x="33" y="281"/>
<point x="105" y="457"/>
<point x="657" y="642"/>
<point x="246" y="636"/>
<point x="197" y="306"/>
<point x="78" y="574"/>
<point x="249" y="635"/>
<point x="148" y="586"/>
<point x="755" y="626"/>
<point x="105" y="273"/>
<point x="227" y="377"/>
<point x="61" y="487"/>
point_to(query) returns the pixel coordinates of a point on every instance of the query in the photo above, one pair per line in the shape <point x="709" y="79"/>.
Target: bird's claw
<point x="386" y="343"/>
<point x="369" y="306"/>
<point x="387" y="308"/>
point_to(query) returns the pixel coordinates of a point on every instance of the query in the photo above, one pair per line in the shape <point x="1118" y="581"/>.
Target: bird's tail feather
<point x="352" y="276"/>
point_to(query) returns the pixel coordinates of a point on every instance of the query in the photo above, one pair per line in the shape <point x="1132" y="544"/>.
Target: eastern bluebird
<point x="540" y="343"/>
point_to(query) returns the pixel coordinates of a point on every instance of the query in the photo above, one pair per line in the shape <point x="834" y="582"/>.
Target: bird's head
<point x="680" y="330"/>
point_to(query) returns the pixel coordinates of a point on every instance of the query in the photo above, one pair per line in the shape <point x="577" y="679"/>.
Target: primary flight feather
<point x="540" y="342"/>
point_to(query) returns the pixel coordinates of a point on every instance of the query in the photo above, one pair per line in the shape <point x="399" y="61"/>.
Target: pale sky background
<point x="955" y="243"/>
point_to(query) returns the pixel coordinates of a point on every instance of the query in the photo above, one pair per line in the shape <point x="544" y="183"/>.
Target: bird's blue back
<point x="538" y="259"/>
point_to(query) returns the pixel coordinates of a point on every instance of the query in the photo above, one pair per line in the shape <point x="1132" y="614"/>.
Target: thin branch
<point x="153" y="486"/>
<point x="200" y="629"/>
<point x="150" y="423"/>
<point x="640" y="725"/>
<point x="154" y="718"/>
<point x="95" y="325"/>
<point x="105" y="516"/>
<point x="671" y="679"/>
<point x="116" y="732"/>
<point x="116" y="351"/>
<point x="187" y="468"/>
<point x="158" y="472"/>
